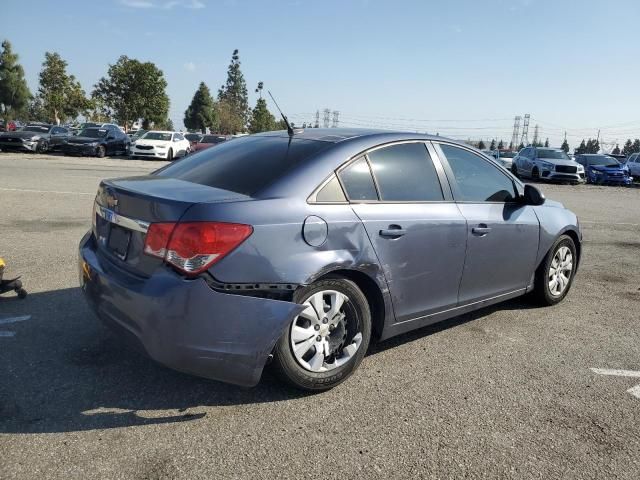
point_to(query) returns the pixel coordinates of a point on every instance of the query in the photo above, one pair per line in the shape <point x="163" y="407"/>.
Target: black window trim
<point x="457" y="195"/>
<point x="441" y="175"/>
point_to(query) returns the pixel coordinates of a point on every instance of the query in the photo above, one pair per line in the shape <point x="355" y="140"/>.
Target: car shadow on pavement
<point x="61" y="370"/>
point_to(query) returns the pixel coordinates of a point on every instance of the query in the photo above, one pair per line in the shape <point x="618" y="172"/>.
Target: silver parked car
<point x="633" y="162"/>
<point x="543" y="163"/>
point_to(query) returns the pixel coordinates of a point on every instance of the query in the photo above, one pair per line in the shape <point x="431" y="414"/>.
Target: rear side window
<point x="477" y="179"/>
<point x="405" y="173"/>
<point x="358" y="182"/>
<point x="244" y="165"/>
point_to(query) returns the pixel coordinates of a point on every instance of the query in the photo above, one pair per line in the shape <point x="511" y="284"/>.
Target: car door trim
<point x="120" y="220"/>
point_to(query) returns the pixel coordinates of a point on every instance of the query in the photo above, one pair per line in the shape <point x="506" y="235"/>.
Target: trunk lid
<point x="126" y="206"/>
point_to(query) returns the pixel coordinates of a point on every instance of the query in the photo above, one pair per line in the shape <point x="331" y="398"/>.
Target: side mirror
<point x="532" y="196"/>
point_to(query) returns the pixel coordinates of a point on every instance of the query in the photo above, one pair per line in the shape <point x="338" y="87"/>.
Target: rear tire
<point x="514" y="170"/>
<point x="556" y="270"/>
<point x="344" y="337"/>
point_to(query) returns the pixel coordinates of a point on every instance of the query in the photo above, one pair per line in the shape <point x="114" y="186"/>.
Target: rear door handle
<point x="481" y="230"/>
<point x="394" y="231"/>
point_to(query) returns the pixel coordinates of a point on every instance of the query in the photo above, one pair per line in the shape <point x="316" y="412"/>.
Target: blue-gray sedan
<point x="304" y="248"/>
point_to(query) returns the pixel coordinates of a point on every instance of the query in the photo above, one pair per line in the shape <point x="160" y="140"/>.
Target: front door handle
<point x="481" y="230"/>
<point x="394" y="231"/>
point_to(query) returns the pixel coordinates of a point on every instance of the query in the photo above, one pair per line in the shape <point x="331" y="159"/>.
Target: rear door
<point x="416" y="229"/>
<point x="502" y="233"/>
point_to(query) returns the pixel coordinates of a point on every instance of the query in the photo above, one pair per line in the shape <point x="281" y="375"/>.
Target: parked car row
<point x="101" y="139"/>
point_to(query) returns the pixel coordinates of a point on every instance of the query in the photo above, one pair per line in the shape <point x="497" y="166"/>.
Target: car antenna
<point x="290" y="129"/>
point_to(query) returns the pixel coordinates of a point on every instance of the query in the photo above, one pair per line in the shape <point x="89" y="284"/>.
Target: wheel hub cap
<point x="560" y="271"/>
<point x="318" y="336"/>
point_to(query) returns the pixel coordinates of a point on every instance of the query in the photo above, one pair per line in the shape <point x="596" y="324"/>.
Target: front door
<point x="502" y="233"/>
<point x="417" y="231"/>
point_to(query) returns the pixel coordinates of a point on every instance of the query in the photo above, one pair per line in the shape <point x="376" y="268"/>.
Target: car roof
<point x="336" y="135"/>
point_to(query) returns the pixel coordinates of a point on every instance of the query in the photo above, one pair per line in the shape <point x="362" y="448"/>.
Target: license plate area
<point x="119" y="239"/>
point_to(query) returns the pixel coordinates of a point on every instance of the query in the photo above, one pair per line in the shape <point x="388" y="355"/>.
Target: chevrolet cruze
<point x="302" y="249"/>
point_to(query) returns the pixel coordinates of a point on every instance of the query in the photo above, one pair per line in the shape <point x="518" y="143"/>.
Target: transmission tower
<point x="317" y="123"/>
<point x="326" y="114"/>
<point x="516" y="132"/>
<point x="525" y="130"/>
<point x="334" y="118"/>
<point x="535" y="134"/>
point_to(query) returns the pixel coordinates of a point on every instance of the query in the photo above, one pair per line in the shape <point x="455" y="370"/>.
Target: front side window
<point x="358" y="182"/>
<point x="405" y="173"/>
<point x="477" y="179"/>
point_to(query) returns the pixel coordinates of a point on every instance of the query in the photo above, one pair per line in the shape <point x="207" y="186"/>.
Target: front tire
<point x="170" y="155"/>
<point x="514" y="170"/>
<point x="325" y="344"/>
<point x="535" y="174"/>
<point x="101" y="151"/>
<point x="554" y="276"/>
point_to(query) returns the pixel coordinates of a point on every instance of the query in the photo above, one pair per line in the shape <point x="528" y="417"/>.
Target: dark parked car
<point x="306" y="248"/>
<point x="209" y="141"/>
<point x="35" y="138"/>
<point x="98" y="142"/>
<point x="604" y="169"/>
<point x="193" y="137"/>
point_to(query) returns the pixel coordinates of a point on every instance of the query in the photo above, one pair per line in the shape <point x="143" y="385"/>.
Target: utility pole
<point x="325" y="119"/>
<point x="516" y="132"/>
<point x="535" y="135"/>
<point x="317" y="124"/>
<point x="525" y="130"/>
<point x="334" y="119"/>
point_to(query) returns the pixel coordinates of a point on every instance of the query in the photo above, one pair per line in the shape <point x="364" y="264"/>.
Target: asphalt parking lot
<point x="508" y="391"/>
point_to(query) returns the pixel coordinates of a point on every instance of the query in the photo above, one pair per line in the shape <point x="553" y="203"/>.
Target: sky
<point x="461" y="68"/>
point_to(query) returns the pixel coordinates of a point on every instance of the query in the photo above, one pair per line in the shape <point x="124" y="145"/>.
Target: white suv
<point x="542" y="163"/>
<point x="633" y="162"/>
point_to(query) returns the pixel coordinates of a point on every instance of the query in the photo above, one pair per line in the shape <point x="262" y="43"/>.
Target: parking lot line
<point x="26" y="190"/>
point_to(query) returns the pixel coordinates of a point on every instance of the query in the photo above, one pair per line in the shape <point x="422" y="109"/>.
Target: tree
<point x="61" y="94"/>
<point x="261" y="118"/>
<point x="493" y="144"/>
<point x="565" y="146"/>
<point x="628" y="148"/>
<point x="521" y="146"/>
<point x="234" y="94"/>
<point x="636" y="146"/>
<point x="481" y="145"/>
<point x="228" y="121"/>
<point x="14" y="92"/>
<point x="582" y="148"/>
<point x="511" y="145"/>
<point x="133" y="90"/>
<point x="500" y="145"/>
<point x="616" y="151"/>
<point x="201" y="113"/>
<point x="546" y="142"/>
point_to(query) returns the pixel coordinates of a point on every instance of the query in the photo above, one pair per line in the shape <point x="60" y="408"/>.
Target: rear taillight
<point x="192" y="247"/>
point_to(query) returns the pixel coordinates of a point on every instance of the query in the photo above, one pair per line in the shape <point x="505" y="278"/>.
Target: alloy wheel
<point x="560" y="271"/>
<point x="326" y="334"/>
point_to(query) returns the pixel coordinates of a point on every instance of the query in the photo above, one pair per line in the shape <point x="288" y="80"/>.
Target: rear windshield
<point x="213" y="139"/>
<point x="558" y="154"/>
<point x="507" y="154"/>
<point x="93" y="132"/>
<point x="157" y="136"/>
<point x="246" y="165"/>
<point x="602" y="160"/>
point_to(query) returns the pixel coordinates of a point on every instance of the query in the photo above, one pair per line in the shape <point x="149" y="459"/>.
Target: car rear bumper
<point x="184" y="324"/>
